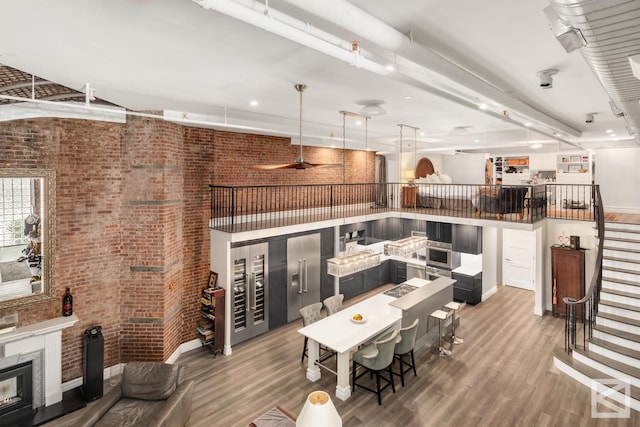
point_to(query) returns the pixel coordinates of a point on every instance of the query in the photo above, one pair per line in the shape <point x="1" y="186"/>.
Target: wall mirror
<point x="27" y="236"/>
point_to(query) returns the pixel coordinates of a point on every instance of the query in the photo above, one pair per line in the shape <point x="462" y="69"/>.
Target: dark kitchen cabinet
<point x="467" y="239"/>
<point x="386" y="229"/>
<point x="567" y="278"/>
<point x="277" y="296"/>
<point x="383" y="272"/>
<point x="397" y="271"/>
<point x="277" y="252"/>
<point x="352" y="285"/>
<point x="371" y="278"/>
<point x="439" y="231"/>
<point x="467" y="288"/>
<point x="326" y="243"/>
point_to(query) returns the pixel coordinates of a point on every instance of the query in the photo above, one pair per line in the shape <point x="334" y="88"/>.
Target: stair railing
<point x="589" y="303"/>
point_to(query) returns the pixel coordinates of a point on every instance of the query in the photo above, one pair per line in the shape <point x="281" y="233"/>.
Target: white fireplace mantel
<point x="42" y="336"/>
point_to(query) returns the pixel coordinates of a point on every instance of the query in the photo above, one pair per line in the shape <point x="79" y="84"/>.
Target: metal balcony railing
<point x="246" y="208"/>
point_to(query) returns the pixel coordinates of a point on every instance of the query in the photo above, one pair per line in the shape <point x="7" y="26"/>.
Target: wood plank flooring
<point x="503" y="375"/>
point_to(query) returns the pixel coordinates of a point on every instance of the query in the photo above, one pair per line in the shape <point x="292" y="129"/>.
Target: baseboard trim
<point x="184" y="348"/>
<point x="489" y="293"/>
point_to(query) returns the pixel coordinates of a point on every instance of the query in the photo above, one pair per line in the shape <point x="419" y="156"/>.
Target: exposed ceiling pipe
<point x="361" y="23"/>
<point x="611" y="30"/>
<point x="268" y="22"/>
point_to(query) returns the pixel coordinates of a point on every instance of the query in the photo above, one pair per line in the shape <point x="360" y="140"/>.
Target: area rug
<point x="14" y="270"/>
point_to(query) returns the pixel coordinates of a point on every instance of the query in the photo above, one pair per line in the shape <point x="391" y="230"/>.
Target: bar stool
<point x="453" y="306"/>
<point x="441" y="315"/>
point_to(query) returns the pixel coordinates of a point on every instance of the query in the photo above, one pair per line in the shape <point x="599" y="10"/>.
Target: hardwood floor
<point x="503" y="375"/>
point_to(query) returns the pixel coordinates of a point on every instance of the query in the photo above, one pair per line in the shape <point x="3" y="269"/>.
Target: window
<point x="17" y="204"/>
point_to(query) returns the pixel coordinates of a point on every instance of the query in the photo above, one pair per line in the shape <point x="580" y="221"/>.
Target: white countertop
<point x="468" y="271"/>
<point x="340" y="333"/>
<point x="423" y="292"/>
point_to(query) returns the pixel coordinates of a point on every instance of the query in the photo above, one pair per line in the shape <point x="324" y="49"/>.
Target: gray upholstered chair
<point x="310" y="314"/>
<point x="333" y="304"/>
<point x="150" y="394"/>
<point x="375" y="358"/>
<point x="404" y="346"/>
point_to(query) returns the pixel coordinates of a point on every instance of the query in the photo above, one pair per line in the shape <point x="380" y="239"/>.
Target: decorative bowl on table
<point x="358" y="318"/>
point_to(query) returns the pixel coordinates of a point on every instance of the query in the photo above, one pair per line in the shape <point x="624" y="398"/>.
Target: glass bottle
<point x="67" y="303"/>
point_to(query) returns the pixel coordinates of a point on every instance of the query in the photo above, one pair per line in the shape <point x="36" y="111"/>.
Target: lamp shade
<point x="318" y="411"/>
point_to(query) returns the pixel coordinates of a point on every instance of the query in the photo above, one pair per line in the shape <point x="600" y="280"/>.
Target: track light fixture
<point x="546" y="79"/>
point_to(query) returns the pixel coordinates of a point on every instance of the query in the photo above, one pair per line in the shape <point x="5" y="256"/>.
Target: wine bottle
<point x="67" y="303"/>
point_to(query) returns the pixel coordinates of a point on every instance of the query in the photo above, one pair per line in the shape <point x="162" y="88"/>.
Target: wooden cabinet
<point x="210" y="327"/>
<point x="467" y="239"/>
<point x="439" y="231"/>
<point x="408" y="196"/>
<point x="567" y="278"/>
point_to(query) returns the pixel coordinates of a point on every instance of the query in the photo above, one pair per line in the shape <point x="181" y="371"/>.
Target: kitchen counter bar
<point x="419" y="304"/>
<point x="426" y="289"/>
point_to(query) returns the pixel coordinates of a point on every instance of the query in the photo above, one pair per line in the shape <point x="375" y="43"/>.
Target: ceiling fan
<point x="300" y="162"/>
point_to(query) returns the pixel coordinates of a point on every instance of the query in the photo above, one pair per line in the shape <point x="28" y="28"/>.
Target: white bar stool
<point x="441" y="315"/>
<point x="453" y="306"/>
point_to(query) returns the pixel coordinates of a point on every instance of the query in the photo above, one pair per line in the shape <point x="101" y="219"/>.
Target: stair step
<point x="609" y="363"/>
<point x="630" y="276"/>
<point x="634" y="354"/>
<point x="622" y="227"/>
<point x="622" y="293"/>
<point x="621" y="239"/>
<point x="589" y="373"/>
<point x="620" y="319"/>
<point x="619" y="269"/>
<point x="623" y="265"/>
<point x="620" y="305"/>
<point x="621" y="249"/>
<point x="618" y="259"/>
<point x="621" y="281"/>
<point x="629" y="336"/>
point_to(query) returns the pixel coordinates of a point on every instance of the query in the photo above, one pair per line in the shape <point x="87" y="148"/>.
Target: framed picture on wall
<point x="213" y="279"/>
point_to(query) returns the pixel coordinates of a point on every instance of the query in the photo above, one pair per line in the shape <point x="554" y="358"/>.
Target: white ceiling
<point x="176" y="56"/>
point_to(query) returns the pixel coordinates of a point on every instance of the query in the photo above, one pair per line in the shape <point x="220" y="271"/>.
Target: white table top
<point x="341" y="334"/>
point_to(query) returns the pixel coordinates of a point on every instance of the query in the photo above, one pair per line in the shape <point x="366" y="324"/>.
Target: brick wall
<point x="132" y="211"/>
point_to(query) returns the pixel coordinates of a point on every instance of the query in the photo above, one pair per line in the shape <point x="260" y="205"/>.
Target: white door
<point x="518" y="258"/>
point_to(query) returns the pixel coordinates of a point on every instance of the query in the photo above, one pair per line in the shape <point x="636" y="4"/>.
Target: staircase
<point x="614" y="349"/>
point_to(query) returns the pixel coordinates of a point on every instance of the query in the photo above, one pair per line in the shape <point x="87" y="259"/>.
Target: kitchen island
<point x="420" y="303"/>
<point x="382" y="313"/>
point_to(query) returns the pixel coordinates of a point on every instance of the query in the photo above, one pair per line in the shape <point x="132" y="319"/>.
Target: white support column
<point x="53" y="368"/>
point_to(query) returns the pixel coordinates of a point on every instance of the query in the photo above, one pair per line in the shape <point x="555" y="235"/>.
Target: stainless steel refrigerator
<point x="303" y="273"/>
<point x="249" y="292"/>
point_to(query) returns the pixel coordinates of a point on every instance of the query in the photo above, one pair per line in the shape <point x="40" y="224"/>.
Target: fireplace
<point x="16" y="398"/>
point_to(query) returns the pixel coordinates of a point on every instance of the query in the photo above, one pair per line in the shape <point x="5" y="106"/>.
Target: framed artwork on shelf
<point x="213" y="279"/>
<point x="575" y="159"/>
<point x="574" y="168"/>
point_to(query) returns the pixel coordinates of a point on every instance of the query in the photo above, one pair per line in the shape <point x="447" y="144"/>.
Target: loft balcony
<point x="246" y="208"/>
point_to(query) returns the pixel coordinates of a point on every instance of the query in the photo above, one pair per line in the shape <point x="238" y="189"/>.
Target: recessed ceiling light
<point x="612" y="134"/>
<point x="476" y="140"/>
<point x="408" y="97"/>
<point x="483" y="106"/>
<point x="536" y="146"/>
<point x="253" y="103"/>
<point x="421" y="133"/>
<point x="528" y="124"/>
<point x="358" y="123"/>
<point x="609" y="131"/>
<point x="391" y="67"/>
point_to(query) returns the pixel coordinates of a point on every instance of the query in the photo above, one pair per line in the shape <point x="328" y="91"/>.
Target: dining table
<point x="343" y="334"/>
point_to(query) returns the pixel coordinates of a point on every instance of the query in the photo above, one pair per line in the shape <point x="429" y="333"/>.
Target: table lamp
<point x="409" y="176"/>
<point x="318" y="411"/>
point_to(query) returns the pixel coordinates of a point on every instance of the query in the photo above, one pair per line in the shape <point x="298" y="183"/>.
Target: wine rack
<point x="210" y="328"/>
<point x="239" y="294"/>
